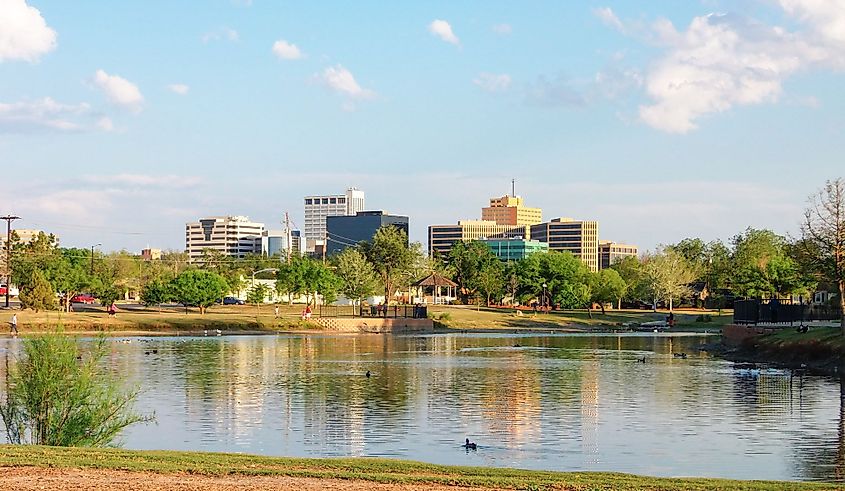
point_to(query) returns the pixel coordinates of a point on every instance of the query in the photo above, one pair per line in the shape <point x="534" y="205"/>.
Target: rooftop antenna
<point x="513" y="188"/>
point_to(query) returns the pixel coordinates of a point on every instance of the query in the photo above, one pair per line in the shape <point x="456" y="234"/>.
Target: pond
<point x="550" y="402"/>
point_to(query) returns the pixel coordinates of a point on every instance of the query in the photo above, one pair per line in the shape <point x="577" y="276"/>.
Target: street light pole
<point x="9" y="219"/>
<point x="544" y="296"/>
<point x="92" y="257"/>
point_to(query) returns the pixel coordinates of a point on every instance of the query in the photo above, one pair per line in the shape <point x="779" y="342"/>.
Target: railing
<point x="384" y="311"/>
<point x="781" y="311"/>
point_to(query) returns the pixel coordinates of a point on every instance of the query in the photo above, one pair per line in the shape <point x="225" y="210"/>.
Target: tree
<point x="390" y="256"/>
<point x="357" y="276"/>
<point x="630" y="270"/>
<point x="156" y="292"/>
<point x="58" y="395"/>
<point x="198" y="287"/>
<point x="823" y="229"/>
<point x="38" y="293"/>
<point x="762" y="267"/>
<point x="607" y="287"/>
<point x="490" y="280"/>
<point x="470" y="261"/>
<point x="565" y="277"/>
<point x="666" y="276"/>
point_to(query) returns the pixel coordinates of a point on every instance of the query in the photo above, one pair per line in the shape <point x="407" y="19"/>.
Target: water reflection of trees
<point x="822" y="457"/>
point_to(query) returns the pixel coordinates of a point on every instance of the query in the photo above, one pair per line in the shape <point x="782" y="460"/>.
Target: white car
<point x="13" y="292"/>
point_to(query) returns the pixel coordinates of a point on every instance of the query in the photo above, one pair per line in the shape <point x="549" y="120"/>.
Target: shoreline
<point x="102" y="468"/>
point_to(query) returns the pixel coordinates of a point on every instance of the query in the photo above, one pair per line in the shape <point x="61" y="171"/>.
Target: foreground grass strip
<point x="377" y="470"/>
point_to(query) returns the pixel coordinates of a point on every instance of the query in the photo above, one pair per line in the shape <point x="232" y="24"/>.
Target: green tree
<point x="38" y="293"/>
<point x="318" y="279"/>
<point x="56" y="394"/>
<point x="565" y="276"/>
<point x="630" y="270"/>
<point x="357" y="276"/>
<point x="761" y="266"/>
<point x="199" y="287"/>
<point x="666" y="276"/>
<point x="390" y="256"/>
<point x="823" y="230"/>
<point x="490" y="281"/>
<point x="607" y="287"/>
<point x="156" y="292"/>
<point x="470" y="261"/>
<point x="257" y="293"/>
<point x="290" y="279"/>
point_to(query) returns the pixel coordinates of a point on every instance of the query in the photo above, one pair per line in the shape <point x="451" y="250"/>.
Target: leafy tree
<point x="630" y="270"/>
<point x="56" y="394"/>
<point x="257" y="293"/>
<point x="38" y="293"/>
<point x="823" y="230"/>
<point x="490" y="281"/>
<point x="290" y="279"/>
<point x="762" y="266"/>
<point x="357" y="276"/>
<point x="666" y="276"/>
<point x="318" y="279"/>
<point x="607" y="287"/>
<point x="390" y="256"/>
<point x="475" y="268"/>
<point x="565" y="276"/>
<point x="198" y="287"/>
<point x="156" y="292"/>
<point x="511" y="277"/>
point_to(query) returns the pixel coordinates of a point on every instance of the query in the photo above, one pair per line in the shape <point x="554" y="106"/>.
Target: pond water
<point x="551" y="402"/>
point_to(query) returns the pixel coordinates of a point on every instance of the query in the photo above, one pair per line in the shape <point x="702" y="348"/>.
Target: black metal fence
<point x="383" y="311"/>
<point x="781" y="311"/>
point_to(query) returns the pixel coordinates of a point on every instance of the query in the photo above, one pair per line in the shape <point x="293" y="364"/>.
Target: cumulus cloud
<point x="286" y="51"/>
<point x="443" y="30"/>
<point x="44" y="115"/>
<point x="502" y="29"/>
<point x="180" y="89"/>
<point x="492" y="82"/>
<point x="119" y="91"/>
<point x="341" y="80"/>
<point x="609" y="18"/>
<point x="24" y="34"/>
<point x="224" y="33"/>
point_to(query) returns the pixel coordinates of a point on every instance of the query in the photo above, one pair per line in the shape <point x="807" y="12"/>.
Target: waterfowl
<point x="680" y="355"/>
<point x="470" y="445"/>
<point x="641" y="360"/>
<point x="368" y="374"/>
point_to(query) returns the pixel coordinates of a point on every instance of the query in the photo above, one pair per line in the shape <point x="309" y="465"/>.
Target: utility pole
<point x="9" y="219"/>
<point x="92" y="257"/>
<point x="288" y="237"/>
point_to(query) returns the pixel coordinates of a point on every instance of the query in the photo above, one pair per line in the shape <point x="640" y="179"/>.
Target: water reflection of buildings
<point x="590" y="410"/>
<point x="511" y="401"/>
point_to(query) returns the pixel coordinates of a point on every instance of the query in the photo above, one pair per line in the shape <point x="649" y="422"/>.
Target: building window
<point x="325" y="201"/>
<point x="333" y="201"/>
<point x="341" y="201"/>
<point x="307" y="201"/>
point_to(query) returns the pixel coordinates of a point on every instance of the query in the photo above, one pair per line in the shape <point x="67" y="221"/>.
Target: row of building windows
<point x="325" y="201"/>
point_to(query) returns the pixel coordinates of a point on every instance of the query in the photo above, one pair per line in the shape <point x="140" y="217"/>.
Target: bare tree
<point x="824" y="230"/>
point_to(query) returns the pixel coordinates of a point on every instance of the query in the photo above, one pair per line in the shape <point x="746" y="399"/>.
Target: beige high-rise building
<point x="610" y="252"/>
<point x="580" y="237"/>
<point x="234" y="236"/>
<point x="441" y="237"/>
<point x="511" y="210"/>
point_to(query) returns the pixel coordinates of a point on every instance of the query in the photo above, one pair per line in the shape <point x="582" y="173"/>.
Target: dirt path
<point x="43" y="479"/>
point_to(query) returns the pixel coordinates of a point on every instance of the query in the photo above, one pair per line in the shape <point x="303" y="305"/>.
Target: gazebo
<point x="436" y="282"/>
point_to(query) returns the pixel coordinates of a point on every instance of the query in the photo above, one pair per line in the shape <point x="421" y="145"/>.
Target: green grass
<point x="378" y="470"/>
<point x="818" y="341"/>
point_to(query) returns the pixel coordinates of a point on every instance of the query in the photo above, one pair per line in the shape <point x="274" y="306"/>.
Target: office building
<point x="610" y="252"/>
<point x="515" y="249"/>
<point x="279" y="242"/>
<point x="349" y="231"/>
<point x="511" y="210"/>
<point x="317" y="208"/>
<point x="150" y="254"/>
<point x="580" y="237"/>
<point x="234" y="236"/>
<point x="441" y="237"/>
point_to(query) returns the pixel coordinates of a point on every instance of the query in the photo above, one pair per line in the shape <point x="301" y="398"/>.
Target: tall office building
<point x="441" y="237"/>
<point x="234" y="236"/>
<point x="580" y="237"/>
<point x="279" y="242"/>
<point x="610" y="252"/>
<point x="511" y="210"/>
<point x="317" y="208"/>
<point x="515" y="249"/>
<point x="349" y="231"/>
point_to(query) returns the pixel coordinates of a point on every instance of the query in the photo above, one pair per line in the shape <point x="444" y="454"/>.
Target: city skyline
<point x="111" y="135"/>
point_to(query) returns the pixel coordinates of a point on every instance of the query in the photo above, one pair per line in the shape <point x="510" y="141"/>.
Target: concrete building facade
<point x="317" y="208"/>
<point x="349" y="231"/>
<point x="441" y="237"/>
<point x="234" y="236"/>
<point x="279" y="242"/>
<point x="511" y="210"/>
<point x="515" y="249"/>
<point x="580" y="237"/>
<point x="610" y="252"/>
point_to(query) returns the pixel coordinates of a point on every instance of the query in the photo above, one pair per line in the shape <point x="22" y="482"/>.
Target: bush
<point x="38" y="294"/>
<point x="58" y="395"/>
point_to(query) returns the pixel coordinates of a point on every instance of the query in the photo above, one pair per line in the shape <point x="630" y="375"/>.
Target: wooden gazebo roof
<point x="435" y="279"/>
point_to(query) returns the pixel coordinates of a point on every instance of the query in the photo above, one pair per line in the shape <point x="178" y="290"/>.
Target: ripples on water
<point x="539" y="402"/>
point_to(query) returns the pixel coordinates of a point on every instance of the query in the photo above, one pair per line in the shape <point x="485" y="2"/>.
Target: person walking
<point x="276" y="311"/>
<point x="112" y="309"/>
<point x="13" y="325"/>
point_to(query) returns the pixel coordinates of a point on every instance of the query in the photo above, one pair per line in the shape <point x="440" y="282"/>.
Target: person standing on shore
<point x="13" y="325"/>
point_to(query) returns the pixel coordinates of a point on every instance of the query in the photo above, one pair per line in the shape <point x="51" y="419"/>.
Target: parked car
<point x="13" y="292"/>
<point x="232" y="301"/>
<point x="83" y="298"/>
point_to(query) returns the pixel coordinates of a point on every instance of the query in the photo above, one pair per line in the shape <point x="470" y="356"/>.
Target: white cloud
<point x="492" y="82"/>
<point x="224" y="33"/>
<point x="119" y="91"/>
<point x="342" y="81"/>
<point x="24" y="34"/>
<point x="286" y="51"/>
<point x="43" y="114"/>
<point x="180" y="89"/>
<point x="609" y="18"/>
<point x="443" y="30"/>
<point x="105" y="123"/>
<point x="556" y="92"/>
<point x="502" y="29"/>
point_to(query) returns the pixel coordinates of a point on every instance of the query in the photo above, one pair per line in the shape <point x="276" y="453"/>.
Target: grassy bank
<point x="377" y="470"/>
<point x="822" y="348"/>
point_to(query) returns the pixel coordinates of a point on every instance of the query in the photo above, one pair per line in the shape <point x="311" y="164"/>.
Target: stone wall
<point x="375" y="325"/>
<point x="735" y="335"/>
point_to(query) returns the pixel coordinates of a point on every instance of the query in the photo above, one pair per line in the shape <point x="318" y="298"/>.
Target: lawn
<point x="368" y="469"/>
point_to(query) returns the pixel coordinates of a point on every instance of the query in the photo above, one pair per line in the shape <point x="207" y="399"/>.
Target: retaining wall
<point x="375" y="325"/>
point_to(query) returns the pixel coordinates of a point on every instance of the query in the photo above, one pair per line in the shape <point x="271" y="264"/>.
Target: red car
<point x="83" y="298"/>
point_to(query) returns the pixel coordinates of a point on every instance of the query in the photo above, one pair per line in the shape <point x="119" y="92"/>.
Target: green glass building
<point x="515" y="249"/>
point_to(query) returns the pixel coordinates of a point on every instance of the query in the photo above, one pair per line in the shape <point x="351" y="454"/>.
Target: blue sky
<point x="661" y="120"/>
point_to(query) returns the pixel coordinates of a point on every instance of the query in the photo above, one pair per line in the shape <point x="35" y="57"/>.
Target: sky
<point x="120" y="122"/>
